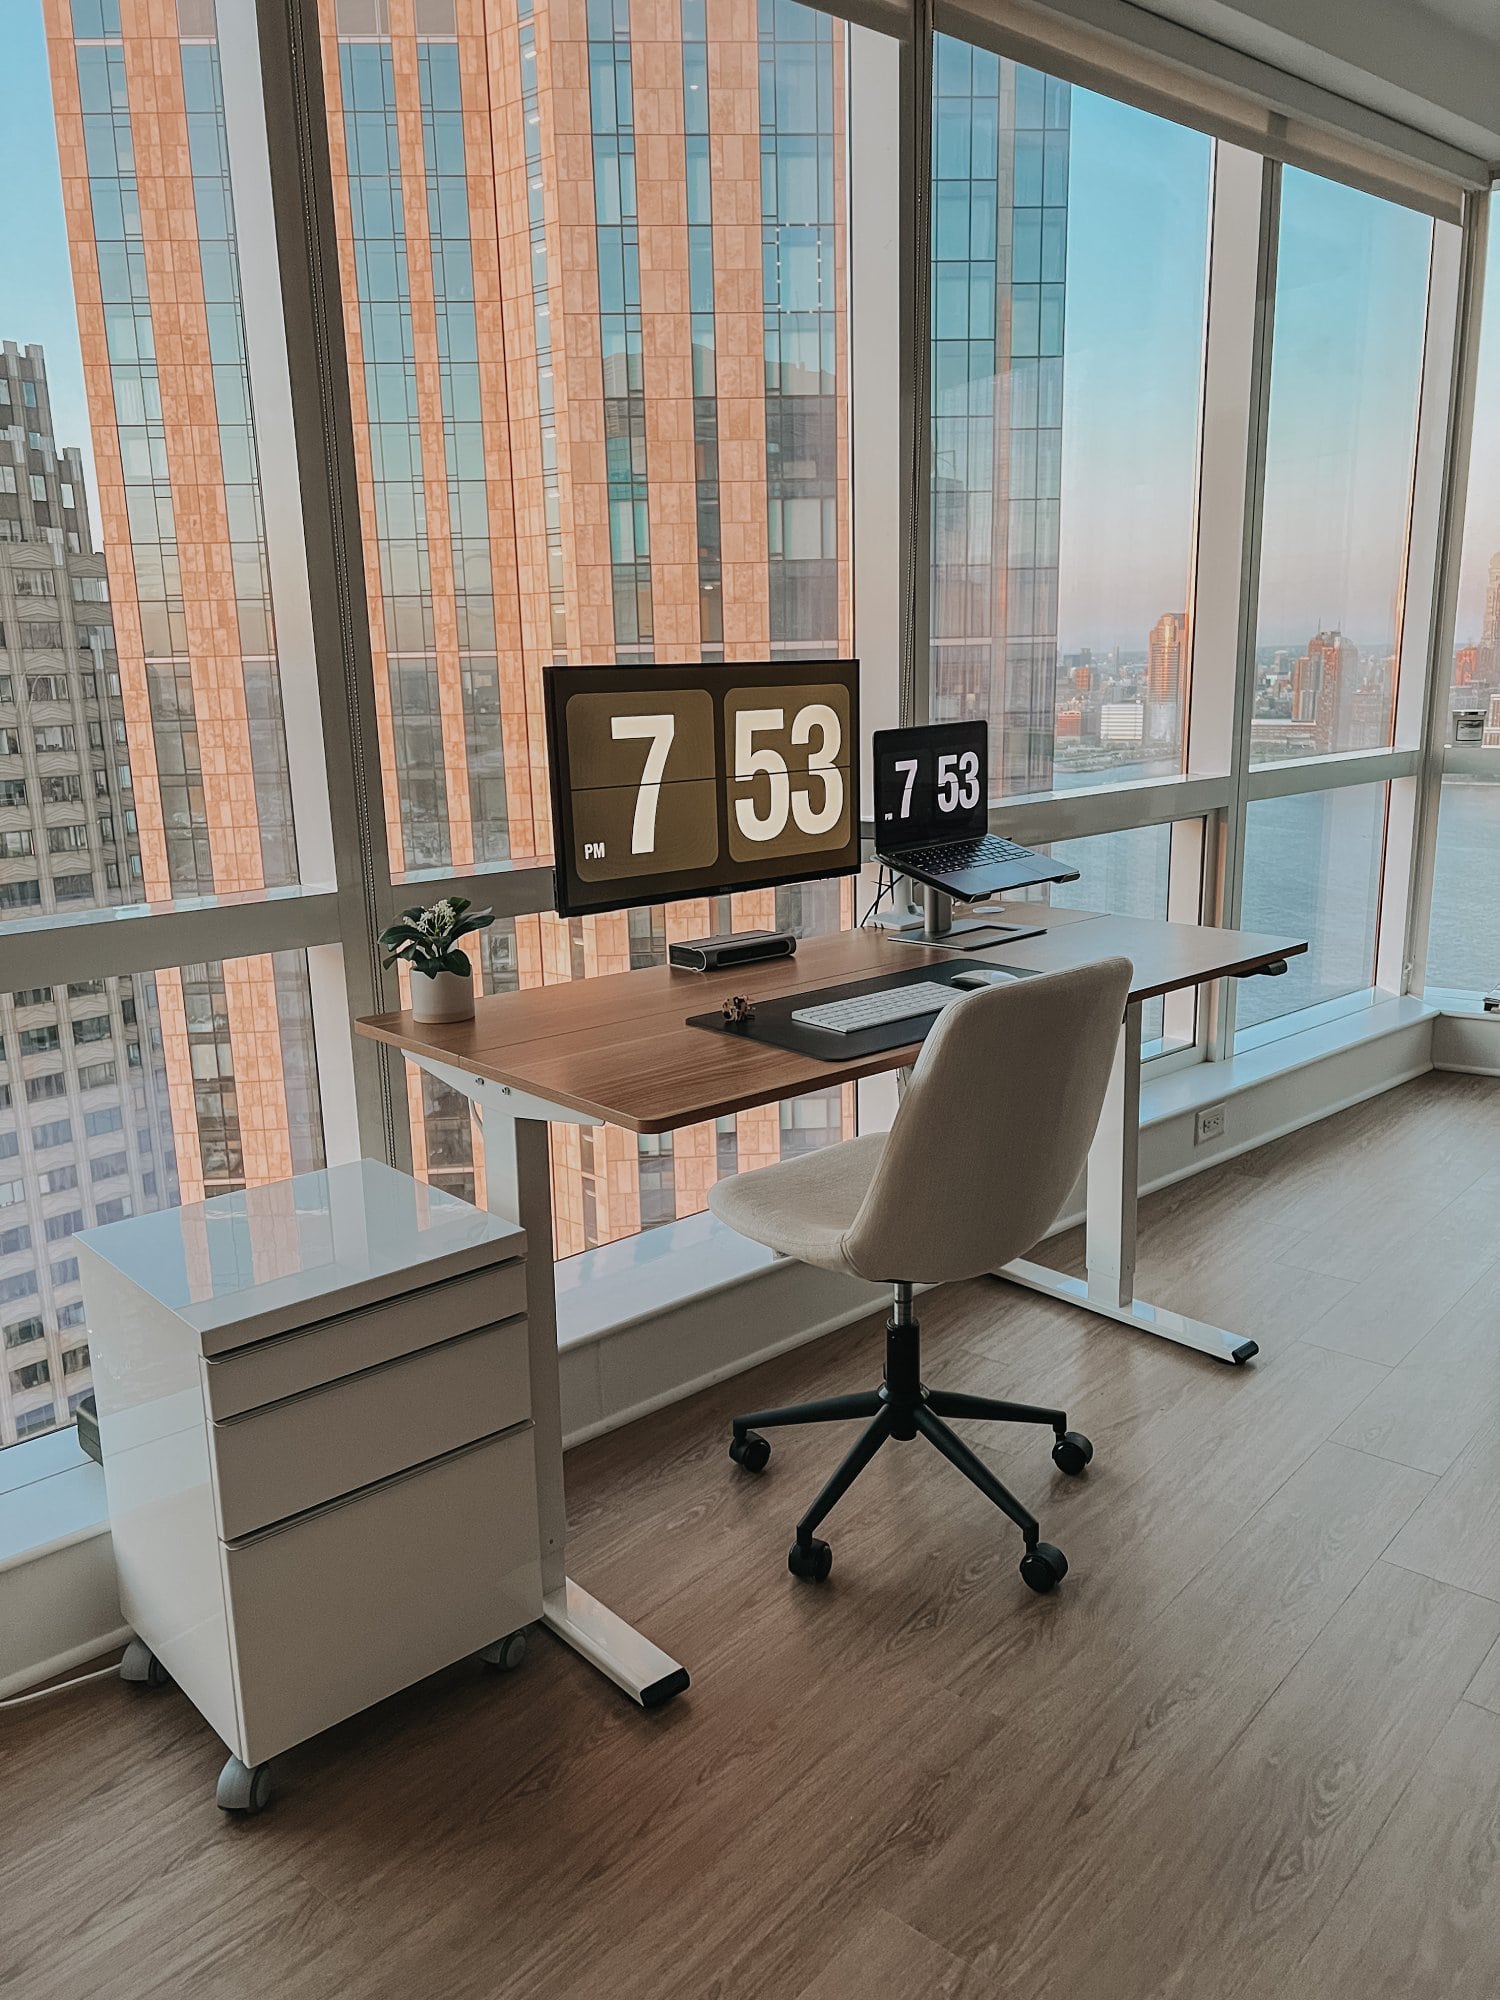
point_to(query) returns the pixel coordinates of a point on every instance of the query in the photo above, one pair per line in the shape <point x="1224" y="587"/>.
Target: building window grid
<point x="698" y="157"/>
<point x="451" y="244"/>
<point x="541" y="316"/>
<point x="130" y="343"/>
<point x="616" y="231"/>
<point x="218" y="253"/>
<point x="797" y="54"/>
<point x="378" y="231"/>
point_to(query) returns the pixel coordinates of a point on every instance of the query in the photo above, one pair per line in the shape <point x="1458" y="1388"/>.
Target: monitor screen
<point x="670" y="782"/>
<point x="930" y="784"/>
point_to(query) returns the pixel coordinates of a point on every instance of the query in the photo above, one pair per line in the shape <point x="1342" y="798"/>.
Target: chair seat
<point x="804" y="1207"/>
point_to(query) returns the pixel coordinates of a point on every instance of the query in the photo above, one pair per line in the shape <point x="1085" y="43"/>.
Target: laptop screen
<point x="930" y="784"/>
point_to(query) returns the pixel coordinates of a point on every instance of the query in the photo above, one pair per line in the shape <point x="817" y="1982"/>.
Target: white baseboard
<point x="58" y="1611"/>
<point x="1468" y="1042"/>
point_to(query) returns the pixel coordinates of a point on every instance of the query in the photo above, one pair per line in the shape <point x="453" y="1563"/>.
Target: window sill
<point x="51" y="1495"/>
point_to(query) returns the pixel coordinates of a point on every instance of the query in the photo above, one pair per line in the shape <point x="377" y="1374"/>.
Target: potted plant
<point x="442" y="979"/>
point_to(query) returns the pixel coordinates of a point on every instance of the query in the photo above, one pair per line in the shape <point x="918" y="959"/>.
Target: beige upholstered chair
<point x="993" y="1131"/>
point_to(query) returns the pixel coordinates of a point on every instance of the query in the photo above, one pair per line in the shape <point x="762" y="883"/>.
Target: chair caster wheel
<point x="1043" y="1568"/>
<point x="140" y="1664"/>
<point x="812" y="1560"/>
<point x="506" y="1654"/>
<point x="244" y="1788"/>
<point x="1072" y="1453"/>
<point x="751" y="1451"/>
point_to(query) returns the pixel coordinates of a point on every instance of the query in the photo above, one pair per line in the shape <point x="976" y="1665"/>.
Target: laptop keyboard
<point x="984" y="852"/>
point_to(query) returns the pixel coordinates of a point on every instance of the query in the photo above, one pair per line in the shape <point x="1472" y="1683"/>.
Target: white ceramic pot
<point x="442" y="996"/>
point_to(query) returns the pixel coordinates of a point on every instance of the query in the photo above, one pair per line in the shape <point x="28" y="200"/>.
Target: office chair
<point x="992" y="1132"/>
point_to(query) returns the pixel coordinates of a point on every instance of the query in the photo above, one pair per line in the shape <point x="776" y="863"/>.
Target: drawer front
<point x="281" y="1460"/>
<point x="348" y="1605"/>
<point x="322" y="1352"/>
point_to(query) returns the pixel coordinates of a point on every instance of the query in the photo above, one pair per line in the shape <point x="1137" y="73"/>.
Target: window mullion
<point x="1448" y="437"/>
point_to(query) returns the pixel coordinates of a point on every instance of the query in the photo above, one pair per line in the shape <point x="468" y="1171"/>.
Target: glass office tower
<point x="999" y="268"/>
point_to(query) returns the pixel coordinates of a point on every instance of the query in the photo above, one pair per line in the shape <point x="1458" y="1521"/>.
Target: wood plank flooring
<point x="1250" y="1750"/>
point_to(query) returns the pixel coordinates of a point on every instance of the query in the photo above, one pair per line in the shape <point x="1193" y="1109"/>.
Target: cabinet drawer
<point x="346" y="1606"/>
<point x="322" y="1352"/>
<point x="281" y="1460"/>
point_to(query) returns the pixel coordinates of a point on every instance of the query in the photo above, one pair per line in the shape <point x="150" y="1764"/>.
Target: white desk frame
<point x="518" y="1183"/>
<point x="1110" y="1223"/>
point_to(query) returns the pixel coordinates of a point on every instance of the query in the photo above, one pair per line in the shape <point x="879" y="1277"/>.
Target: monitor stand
<point x="936" y="926"/>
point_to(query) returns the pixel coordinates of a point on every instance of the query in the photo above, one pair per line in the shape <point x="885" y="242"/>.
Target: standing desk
<point x="617" y="1051"/>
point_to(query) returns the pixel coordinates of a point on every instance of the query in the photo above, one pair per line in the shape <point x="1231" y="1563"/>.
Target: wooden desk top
<point x="618" y="1048"/>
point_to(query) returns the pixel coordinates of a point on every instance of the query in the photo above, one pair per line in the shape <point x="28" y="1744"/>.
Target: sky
<point x="1137" y="247"/>
<point x="36" y="282"/>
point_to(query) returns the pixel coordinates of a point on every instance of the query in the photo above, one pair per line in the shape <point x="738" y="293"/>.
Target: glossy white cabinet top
<point x="246" y="1266"/>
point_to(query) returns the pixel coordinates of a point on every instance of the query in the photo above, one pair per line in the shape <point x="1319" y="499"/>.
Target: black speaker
<point x="718" y="954"/>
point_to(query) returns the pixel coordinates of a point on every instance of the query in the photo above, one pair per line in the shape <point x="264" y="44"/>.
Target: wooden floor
<point x="1251" y="1747"/>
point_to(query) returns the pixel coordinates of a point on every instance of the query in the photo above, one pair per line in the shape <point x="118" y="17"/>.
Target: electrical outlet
<point x="1209" y="1125"/>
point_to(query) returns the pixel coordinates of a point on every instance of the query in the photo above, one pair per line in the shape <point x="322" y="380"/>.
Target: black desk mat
<point x="773" y="1021"/>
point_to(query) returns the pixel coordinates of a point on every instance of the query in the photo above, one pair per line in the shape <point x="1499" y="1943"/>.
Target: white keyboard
<point x="878" y="1010"/>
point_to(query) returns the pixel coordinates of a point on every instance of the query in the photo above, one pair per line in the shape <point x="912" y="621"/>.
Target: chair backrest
<point x="994" y="1126"/>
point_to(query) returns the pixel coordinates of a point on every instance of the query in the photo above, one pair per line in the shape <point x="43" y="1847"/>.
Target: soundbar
<point x="718" y="954"/>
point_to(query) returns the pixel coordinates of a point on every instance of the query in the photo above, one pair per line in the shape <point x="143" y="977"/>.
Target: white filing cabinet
<point x="315" y="1412"/>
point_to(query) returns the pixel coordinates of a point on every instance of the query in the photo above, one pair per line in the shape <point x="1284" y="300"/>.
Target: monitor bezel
<point x="573" y="897"/>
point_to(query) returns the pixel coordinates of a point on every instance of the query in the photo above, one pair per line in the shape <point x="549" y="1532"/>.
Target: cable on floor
<point x="61" y="1687"/>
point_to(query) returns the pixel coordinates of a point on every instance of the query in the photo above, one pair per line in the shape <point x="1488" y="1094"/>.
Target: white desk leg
<point x="1110" y="1223"/>
<point x="518" y="1175"/>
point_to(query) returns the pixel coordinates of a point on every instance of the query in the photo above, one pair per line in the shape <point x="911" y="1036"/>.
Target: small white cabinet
<point x="315" y="1412"/>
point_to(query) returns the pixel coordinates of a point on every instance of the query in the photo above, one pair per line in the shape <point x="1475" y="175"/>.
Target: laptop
<point x="932" y="814"/>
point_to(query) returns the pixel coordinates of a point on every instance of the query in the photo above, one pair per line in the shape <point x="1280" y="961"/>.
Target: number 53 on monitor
<point x="670" y="782"/>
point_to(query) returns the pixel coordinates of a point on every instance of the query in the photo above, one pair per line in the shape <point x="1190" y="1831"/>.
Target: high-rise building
<point x="1166" y="675"/>
<point x="1330" y="691"/>
<point x="999" y="248"/>
<point x="595" y="308"/>
<point x="81" y="1130"/>
<point x="1488" y="664"/>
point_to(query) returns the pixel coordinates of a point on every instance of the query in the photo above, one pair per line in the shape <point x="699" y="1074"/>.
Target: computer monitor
<point x="670" y="782"/>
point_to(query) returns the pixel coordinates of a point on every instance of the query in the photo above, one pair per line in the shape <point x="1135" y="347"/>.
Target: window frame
<point x="278" y="151"/>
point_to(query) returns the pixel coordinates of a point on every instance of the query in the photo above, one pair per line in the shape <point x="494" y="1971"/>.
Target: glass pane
<point x="1312" y="870"/>
<point x="120" y="1095"/>
<point x="641" y="456"/>
<point x="1069" y="262"/>
<point x="1475" y="692"/>
<point x="1123" y="874"/>
<point x="142" y="746"/>
<point x="1346" y="364"/>
<point x="1463" y="942"/>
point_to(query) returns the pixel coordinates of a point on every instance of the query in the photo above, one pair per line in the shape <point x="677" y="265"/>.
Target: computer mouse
<point x="983" y="975"/>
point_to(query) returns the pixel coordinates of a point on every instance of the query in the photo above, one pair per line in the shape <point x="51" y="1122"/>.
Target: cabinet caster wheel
<point x="751" y="1451"/>
<point x="141" y="1665"/>
<point x="812" y="1560"/>
<point x="1043" y="1568"/>
<point x="1072" y="1453"/>
<point x="244" y="1788"/>
<point x="506" y="1654"/>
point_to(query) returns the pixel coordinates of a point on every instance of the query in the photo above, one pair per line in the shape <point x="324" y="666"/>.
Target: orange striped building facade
<point x="592" y="259"/>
